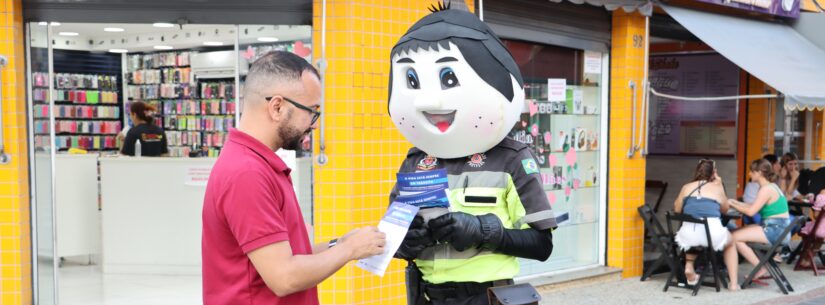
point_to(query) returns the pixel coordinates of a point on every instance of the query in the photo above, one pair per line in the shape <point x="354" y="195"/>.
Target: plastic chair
<point x="662" y="241"/>
<point x="707" y="256"/>
<point x="766" y="254"/>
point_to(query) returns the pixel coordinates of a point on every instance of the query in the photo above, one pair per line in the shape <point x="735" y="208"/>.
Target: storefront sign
<point x="693" y="127"/>
<point x="784" y="8"/>
<point x="197" y="175"/>
<point x="556" y="89"/>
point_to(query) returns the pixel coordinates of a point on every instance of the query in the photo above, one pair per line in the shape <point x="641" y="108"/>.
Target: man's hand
<point x="418" y="238"/>
<point x="364" y="242"/>
<point x="464" y="231"/>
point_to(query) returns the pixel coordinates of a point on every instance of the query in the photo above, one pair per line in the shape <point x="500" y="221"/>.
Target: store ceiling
<point x="297" y="12"/>
<point x="146" y="37"/>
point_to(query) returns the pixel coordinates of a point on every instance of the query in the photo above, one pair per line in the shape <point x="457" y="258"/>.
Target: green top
<point x="780" y="206"/>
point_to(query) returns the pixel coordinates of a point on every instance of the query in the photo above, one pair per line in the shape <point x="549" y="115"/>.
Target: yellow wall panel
<point x="15" y="262"/>
<point x="626" y="176"/>
<point x="364" y="148"/>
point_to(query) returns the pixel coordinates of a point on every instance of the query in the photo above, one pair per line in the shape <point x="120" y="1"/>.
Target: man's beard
<point x="291" y="137"/>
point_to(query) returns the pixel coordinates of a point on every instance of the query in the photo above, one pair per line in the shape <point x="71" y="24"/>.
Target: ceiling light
<point x="55" y="23"/>
<point x="43" y="23"/>
<point x="113" y="29"/>
<point x="163" y="48"/>
<point x="212" y="43"/>
<point x="267" y="39"/>
<point x="118" y="50"/>
<point x="163" y="25"/>
<point x="68" y="34"/>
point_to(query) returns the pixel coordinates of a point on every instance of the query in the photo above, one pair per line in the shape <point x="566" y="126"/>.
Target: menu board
<point x="679" y="127"/>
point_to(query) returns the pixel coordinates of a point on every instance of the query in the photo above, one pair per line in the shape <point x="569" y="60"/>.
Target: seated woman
<point x="704" y="197"/>
<point x="772" y="205"/>
<point x="788" y="180"/>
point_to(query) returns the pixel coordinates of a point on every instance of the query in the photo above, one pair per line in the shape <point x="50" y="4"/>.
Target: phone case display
<point x="86" y="110"/>
<point x="565" y="137"/>
<point x="83" y="142"/>
<point x="79" y="127"/>
<point x="196" y="116"/>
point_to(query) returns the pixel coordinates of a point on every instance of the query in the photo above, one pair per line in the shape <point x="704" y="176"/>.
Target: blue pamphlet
<point x="422" y="181"/>
<point x="437" y="198"/>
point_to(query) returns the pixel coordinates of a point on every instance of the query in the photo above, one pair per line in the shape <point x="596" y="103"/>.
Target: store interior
<point x="123" y="230"/>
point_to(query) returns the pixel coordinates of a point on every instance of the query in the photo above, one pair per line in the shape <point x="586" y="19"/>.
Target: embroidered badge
<point x="476" y="160"/>
<point x="427" y="163"/>
<point x="530" y="166"/>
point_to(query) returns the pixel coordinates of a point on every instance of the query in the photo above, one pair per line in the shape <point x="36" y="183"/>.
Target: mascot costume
<point x="455" y="93"/>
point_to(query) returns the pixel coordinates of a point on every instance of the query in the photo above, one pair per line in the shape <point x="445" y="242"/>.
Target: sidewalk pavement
<point x="809" y="290"/>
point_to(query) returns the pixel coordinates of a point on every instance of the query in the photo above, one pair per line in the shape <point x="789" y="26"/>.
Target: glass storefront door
<point x="42" y="156"/>
<point x="563" y="123"/>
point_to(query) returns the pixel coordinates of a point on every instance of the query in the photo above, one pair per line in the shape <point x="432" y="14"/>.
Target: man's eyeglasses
<point x="315" y="113"/>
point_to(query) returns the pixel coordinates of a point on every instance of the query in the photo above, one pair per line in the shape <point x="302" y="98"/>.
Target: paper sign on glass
<point x="556" y="89"/>
<point x="394" y="224"/>
<point x="592" y="62"/>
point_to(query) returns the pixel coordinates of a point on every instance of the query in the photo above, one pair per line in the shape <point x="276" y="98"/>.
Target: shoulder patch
<point x="530" y="166"/>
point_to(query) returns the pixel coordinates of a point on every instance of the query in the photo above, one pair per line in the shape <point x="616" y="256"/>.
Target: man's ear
<point x="273" y="108"/>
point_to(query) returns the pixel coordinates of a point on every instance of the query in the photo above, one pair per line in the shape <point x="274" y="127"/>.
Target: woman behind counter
<point x="152" y="138"/>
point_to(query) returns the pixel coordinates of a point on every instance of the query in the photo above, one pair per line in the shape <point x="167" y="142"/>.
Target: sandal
<point x="759" y="282"/>
<point x="695" y="278"/>
<point x="765" y="277"/>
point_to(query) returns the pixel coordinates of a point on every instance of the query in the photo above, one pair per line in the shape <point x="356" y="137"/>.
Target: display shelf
<point x="76" y="134"/>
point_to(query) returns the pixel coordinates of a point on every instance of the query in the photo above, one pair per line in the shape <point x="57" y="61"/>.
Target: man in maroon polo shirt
<point x="255" y="245"/>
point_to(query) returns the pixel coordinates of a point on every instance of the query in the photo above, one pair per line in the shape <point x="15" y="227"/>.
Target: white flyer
<point x="394" y="224"/>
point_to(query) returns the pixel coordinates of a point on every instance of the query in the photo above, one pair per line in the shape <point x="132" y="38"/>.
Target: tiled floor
<point x="86" y="285"/>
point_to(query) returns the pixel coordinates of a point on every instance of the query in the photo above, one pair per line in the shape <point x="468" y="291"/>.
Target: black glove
<point x="417" y="239"/>
<point x="464" y="231"/>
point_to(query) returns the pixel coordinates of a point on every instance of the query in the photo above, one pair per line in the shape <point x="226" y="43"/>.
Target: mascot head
<point x="455" y="90"/>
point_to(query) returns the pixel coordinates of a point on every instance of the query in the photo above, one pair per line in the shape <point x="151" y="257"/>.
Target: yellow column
<point x="626" y="190"/>
<point x="761" y="122"/>
<point x="363" y="146"/>
<point x="818" y="137"/>
<point x="15" y="245"/>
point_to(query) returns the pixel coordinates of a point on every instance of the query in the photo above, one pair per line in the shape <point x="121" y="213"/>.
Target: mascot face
<point x="450" y="95"/>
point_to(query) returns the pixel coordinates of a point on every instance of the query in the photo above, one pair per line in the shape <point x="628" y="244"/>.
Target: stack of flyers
<point x="423" y="189"/>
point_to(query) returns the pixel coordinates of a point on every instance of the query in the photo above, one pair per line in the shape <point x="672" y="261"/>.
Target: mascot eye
<point x="448" y="78"/>
<point x="412" y="79"/>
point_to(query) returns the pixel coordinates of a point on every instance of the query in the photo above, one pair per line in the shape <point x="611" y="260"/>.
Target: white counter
<point x="78" y="214"/>
<point x="152" y="214"/>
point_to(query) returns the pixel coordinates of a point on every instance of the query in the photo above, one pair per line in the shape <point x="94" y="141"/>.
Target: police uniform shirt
<point x="152" y="141"/>
<point x="504" y="181"/>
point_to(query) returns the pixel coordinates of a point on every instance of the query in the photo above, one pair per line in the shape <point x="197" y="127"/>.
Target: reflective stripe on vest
<point x="476" y="193"/>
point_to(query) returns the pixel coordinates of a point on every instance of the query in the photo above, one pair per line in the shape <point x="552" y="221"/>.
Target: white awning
<point x="645" y="7"/>
<point x="773" y="52"/>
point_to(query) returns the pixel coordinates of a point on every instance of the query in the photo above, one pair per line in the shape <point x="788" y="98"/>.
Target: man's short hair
<point x="277" y="65"/>
<point x="771" y="158"/>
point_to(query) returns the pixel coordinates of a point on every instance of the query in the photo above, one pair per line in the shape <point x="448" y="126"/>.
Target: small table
<point x="796" y="206"/>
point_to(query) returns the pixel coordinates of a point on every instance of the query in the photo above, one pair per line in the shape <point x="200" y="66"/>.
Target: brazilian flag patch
<point x="530" y="166"/>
